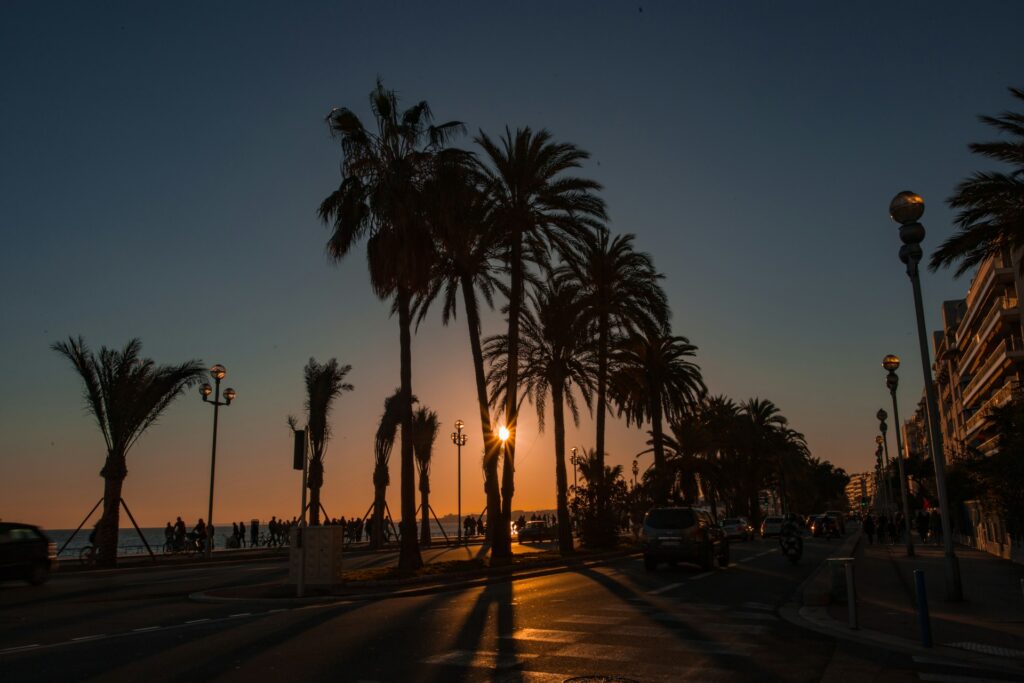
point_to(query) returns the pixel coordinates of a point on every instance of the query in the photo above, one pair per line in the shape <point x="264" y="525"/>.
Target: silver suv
<point x="680" y="534"/>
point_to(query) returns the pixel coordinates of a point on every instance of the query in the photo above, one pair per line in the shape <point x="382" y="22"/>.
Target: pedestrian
<point x="235" y="543"/>
<point x="169" y="536"/>
<point x="254" y="532"/>
<point x="892" y="530"/>
<point x="241" y="533"/>
<point x="922" y="526"/>
<point x="935" y="526"/>
<point x="869" y="529"/>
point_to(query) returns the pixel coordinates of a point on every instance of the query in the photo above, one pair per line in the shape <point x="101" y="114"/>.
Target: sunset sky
<point x="162" y="165"/>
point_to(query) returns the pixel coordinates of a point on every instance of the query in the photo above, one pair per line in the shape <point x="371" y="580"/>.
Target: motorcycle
<point x="791" y="544"/>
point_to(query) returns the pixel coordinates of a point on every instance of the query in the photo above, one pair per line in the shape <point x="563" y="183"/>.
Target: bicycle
<point x="87" y="555"/>
<point x="188" y="547"/>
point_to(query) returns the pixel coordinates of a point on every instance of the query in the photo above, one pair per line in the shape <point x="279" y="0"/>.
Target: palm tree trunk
<point x="502" y="533"/>
<point x="316" y="478"/>
<point x="491" y="446"/>
<point x="424" y="508"/>
<point x="661" y="488"/>
<point x="380" y="489"/>
<point x="602" y="399"/>
<point x="409" y="558"/>
<point x="114" y="471"/>
<point x="561" y="478"/>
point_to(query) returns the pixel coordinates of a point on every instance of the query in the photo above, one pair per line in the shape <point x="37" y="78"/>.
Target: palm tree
<point x="424" y="433"/>
<point x="990" y="204"/>
<point x="460" y="214"/>
<point x="555" y="354"/>
<point x="383" y="443"/>
<point x="653" y="380"/>
<point x="619" y="295"/>
<point x="378" y="198"/>
<point x="324" y="383"/>
<point x="536" y="204"/>
<point x="758" y="428"/>
<point x="126" y="394"/>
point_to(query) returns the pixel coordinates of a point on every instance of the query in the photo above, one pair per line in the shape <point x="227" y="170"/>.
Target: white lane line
<point x="275" y="611"/>
<point x="947" y="678"/>
<point x="665" y="589"/>
<point x="145" y="628"/>
<point x="93" y="637"/>
<point x="19" y="648"/>
<point x="701" y="576"/>
<point x="747" y="559"/>
<point x="545" y="635"/>
<point x="240" y="614"/>
<point x="484" y="660"/>
<point x="943" y="662"/>
<point x="196" y="621"/>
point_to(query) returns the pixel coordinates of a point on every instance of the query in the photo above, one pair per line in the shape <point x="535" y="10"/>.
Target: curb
<point x="816" y="590"/>
<point x="457" y="581"/>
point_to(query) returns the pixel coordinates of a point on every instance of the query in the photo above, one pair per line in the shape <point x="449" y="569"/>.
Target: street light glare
<point x="503" y="433"/>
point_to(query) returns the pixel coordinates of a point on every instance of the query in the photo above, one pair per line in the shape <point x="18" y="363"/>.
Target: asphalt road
<point x="676" y="624"/>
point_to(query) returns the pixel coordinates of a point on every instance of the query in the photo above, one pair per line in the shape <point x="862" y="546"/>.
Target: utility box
<point x="322" y="546"/>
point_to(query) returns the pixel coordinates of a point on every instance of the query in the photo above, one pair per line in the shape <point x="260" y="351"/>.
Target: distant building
<point x="861" y="486"/>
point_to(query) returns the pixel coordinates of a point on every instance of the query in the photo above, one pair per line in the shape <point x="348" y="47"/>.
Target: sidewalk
<point x="989" y="621"/>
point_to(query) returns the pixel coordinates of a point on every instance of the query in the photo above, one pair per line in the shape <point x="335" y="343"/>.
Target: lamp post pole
<point x="891" y="363"/>
<point x="906" y="208"/>
<point x="636" y="470"/>
<point x="217" y="372"/>
<point x="884" y="443"/>
<point x="879" y="479"/>
<point x="459" y="439"/>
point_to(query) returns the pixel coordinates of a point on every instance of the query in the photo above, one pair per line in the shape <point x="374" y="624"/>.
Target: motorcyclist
<point x="790" y="541"/>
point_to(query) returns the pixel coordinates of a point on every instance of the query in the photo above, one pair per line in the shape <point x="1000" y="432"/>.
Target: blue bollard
<point x="922" y="608"/>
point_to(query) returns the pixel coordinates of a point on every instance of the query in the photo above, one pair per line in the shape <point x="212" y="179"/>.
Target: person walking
<point x="869" y="529"/>
<point x="241" y="533"/>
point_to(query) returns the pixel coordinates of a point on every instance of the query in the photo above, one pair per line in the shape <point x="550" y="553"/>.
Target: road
<point x="675" y="624"/>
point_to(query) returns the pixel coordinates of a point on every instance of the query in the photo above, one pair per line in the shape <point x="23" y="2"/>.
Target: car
<point x="26" y="553"/>
<point x="682" y="534"/>
<point x="840" y="520"/>
<point x="823" y="525"/>
<point x="536" y="530"/>
<point x="772" y="526"/>
<point x="737" y="527"/>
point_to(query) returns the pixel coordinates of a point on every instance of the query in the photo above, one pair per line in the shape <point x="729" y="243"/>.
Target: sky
<point x="161" y="165"/>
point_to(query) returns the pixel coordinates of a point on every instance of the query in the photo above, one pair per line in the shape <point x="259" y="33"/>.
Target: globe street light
<point x="459" y="439"/>
<point x="886" y="489"/>
<point x="906" y="208"/>
<point x="217" y="372"/>
<point x="574" y="459"/>
<point x="891" y="363"/>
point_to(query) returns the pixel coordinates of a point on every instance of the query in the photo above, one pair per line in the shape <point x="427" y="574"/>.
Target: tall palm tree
<point x="990" y="204"/>
<point x="620" y="295"/>
<point x="424" y="433"/>
<point x="379" y="199"/>
<point x="653" y="380"/>
<point x="555" y="354"/>
<point x="758" y="430"/>
<point x="459" y="212"/>
<point x="126" y="394"/>
<point x="324" y="383"/>
<point x="536" y="204"/>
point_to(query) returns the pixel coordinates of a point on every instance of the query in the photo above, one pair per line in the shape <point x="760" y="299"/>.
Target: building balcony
<point x="1003" y="309"/>
<point x="991" y="270"/>
<point x="980" y="416"/>
<point x="1008" y="350"/>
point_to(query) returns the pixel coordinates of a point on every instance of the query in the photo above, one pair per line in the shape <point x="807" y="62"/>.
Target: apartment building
<point x="860" y="486"/>
<point x="979" y="356"/>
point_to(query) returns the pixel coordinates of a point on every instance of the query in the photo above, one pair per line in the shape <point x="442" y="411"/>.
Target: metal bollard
<point x="851" y="595"/>
<point x="922" y="608"/>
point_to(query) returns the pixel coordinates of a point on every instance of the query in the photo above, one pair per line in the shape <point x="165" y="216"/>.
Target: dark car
<point x="536" y="531"/>
<point x="25" y="553"/>
<point x="674" y="534"/>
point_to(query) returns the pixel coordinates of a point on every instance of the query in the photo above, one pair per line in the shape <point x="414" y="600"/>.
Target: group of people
<point x="177" y="535"/>
<point x="889" y="528"/>
<point x="473" y="526"/>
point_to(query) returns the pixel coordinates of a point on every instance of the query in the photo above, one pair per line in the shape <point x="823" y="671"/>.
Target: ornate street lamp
<point x="217" y="372"/>
<point x="891" y="363"/>
<point x="906" y="208"/>
<point x="459" y="439"/>
<point x="636" y="471"/>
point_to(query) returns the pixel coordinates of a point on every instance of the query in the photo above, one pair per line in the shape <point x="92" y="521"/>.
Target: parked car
<point x="824" y="525"/>
<point x="737" y="527"/>
<point x="26" y="553"/>
<point x="681" y="534"/>
<point x="771" y="526"/>
<point x="536" y="531"/>
<point x="839" y="518"/>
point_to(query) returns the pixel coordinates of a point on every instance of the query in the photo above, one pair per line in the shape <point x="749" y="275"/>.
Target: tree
<point x="536" y="204"/>
<point x="383" y="443"/>
<point x="653" y="380"/>
<point x="990" y="204"/>
<point x="554" y="355"/>
<point x="424" y="433"/>
<point x="619" y="295"/>
<point x="379" y="199"/>
<point x="126" y="394"/>
<point x="324" y="383"/>
<point x="603" y="495"/>
<point x="460" y="215"/>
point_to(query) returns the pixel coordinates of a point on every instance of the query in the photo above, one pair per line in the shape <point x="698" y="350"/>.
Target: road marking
<point x="943" y="662"/>
<point x="546" y="635"/>
<point x="196" y="621"/>
<point x="591" y="619"/>
<point x="94" y="637"/>
<point x="145" y="628"/>
<point x="947" y="678"/>
<point x="482" y="660"/>
<point x="701" y="576"/>
<point x="240" y="614"/>
<point x="275" y="611"/>
<point x="748" y="559"/>
<point x="668" y="632"/>
<point x="19" y="648"/>
<point x="664" y="589"/>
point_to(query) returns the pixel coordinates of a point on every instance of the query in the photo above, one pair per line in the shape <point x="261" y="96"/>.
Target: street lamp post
<point x="906" y="208"/>
<point x="879" y="476"/>
<point x="459" y="439"/>
<point x="881" y="438"/>
<point x="636" y="470"/>
<point x="883" y="453"/>
<point x="891" y="363"/>
<point x="217" y="372"/>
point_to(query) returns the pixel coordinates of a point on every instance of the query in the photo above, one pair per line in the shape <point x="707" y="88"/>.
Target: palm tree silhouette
<point x="324" y="383"/>
<point x="555" y="354"/>
<point x="536" y="204"/>
<point x="378" y="198"/>
<point x="991" y="204"/>
<point x="126" y="394"/>
<point x="383" y="443"/>
<point x="424" y="433"/>
<point x="652" y="381"/>
<point x="619" y="295"/>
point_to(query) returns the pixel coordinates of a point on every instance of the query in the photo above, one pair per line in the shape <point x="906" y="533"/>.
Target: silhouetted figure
<point x="869" y="529"/>
<point x="241" y="533"/>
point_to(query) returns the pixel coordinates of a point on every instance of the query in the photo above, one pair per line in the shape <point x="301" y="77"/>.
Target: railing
<point x="999" y="306"/>
<point x="997" y="399"/>
<point x="997" y="357"/>
<point x="981" y="281"/>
